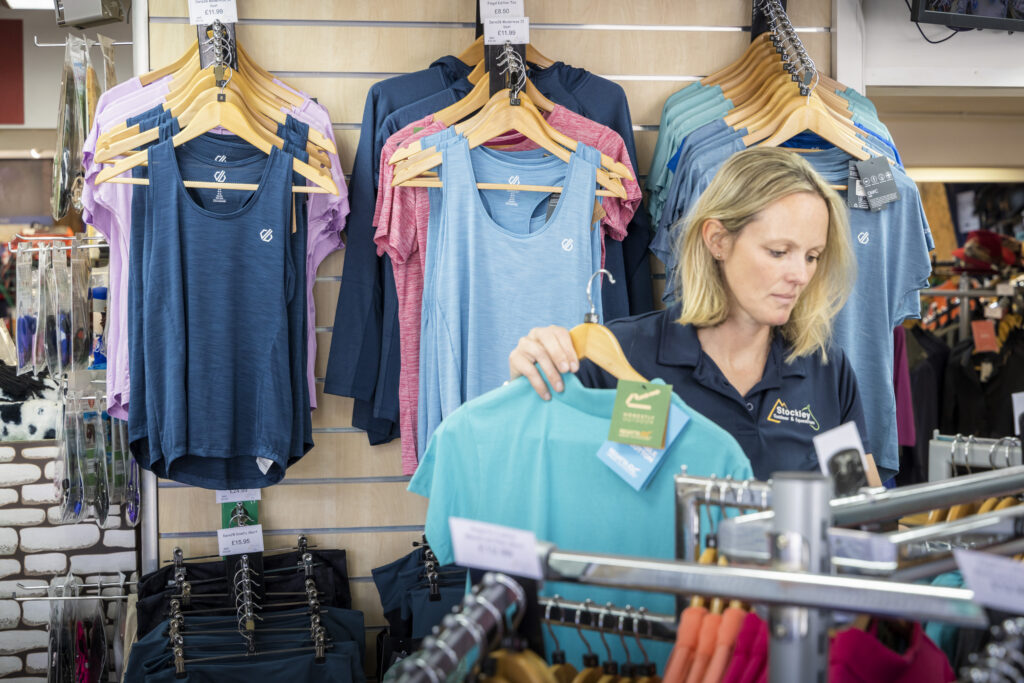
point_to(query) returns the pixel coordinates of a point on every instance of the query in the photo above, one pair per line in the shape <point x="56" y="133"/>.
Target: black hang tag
<point x="856" y="195"/>
<point x="879" y="182"/>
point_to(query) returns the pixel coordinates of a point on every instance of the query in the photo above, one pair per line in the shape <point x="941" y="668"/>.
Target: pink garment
<point x="905" y="429"/>
<point x="749" y="656"/>
<point x="857" y="656"/>
<point x="401" y="218"/>
<point x="108" y="208"/>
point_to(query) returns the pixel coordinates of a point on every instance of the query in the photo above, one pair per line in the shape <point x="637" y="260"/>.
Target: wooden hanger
<point x="191" y="53"/>
<point x="758" y="49"/>
<point x="475" y="53"/>
<point x="228" y="115"/>
<point x="266" y="115"/>
<point x="525" y="119"/>
<point x="598" y="344"/>
<point x="807" y="114"/>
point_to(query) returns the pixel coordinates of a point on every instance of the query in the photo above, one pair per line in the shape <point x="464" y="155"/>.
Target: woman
<point x="765" y="265"/>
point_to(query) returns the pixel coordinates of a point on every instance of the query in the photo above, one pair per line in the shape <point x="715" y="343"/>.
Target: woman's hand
<point x="551" y="348"/>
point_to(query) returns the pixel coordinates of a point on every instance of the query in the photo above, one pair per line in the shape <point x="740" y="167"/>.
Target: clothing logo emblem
<point x="631" y="400"/>
<point x="780" y="413"/>
<point x="568" y="244"/>
<point x="864" y="237"/>
<point x="513" y="180"/>
<point x="220" y="176"/>
<point x="266" y="234"/>
<point x="221" y="158"/>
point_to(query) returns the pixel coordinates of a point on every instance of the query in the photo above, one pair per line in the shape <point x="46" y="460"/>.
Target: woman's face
<point x="768" y="265"/>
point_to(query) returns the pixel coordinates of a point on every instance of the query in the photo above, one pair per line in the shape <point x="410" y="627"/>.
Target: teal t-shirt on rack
<point x="511" y="458"/>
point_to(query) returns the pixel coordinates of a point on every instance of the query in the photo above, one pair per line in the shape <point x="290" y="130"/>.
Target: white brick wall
<point x="15" y="642"/>
<point x="8" y="541"/>
<point x="10" y="615"/>
<point x="9" y="665"/>
<point x="22" y="517"/>
<point x="40" y="453"/>
<point x="18" y="474"/>
<point x="36" y="550"/>
<point x="40" y="494"/>
<point x="62" y="538"/>
<point x="46" y="564"/>
<point x="9" y="568"/>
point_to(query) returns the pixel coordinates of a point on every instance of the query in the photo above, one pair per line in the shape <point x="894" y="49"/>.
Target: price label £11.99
<point x="202" y="12"/>
<point x="498" y="31"/>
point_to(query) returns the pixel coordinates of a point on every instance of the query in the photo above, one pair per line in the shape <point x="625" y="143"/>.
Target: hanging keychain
<point x="25" y="325"/>
<point x="80" y="307"/>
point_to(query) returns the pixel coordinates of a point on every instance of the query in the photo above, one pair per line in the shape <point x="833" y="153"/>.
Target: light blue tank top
<point x="498" y="264"/>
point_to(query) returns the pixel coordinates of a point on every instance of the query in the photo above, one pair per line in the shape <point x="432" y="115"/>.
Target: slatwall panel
<point x="345" y="493"/>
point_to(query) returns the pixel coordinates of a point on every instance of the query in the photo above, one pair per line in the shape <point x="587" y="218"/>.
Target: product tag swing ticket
<point x="637" y="465"/>
<point x="640" y="416"/>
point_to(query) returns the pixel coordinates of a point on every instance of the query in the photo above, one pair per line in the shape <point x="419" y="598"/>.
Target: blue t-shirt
<point x="513" y="459"/>
<point x="498" y="257"/>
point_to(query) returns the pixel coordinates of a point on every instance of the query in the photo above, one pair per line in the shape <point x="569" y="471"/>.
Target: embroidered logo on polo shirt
<point x="266" y="234"/>
<point x="780" y="413"/>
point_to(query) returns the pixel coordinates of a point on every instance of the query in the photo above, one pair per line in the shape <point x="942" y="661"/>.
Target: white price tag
<point x="835" y="440"/>
<point x="238" y="495"/>
<point x="501" y="9"/>
<point x="1005" y="289"/>
<point x="208" y="11"/>
<point x="1018" y="412"/>
<point x="494" y="547"/>
<point x="997" y="581"/>
<point x="240" y="539"/>
<point x="501" y="31"/>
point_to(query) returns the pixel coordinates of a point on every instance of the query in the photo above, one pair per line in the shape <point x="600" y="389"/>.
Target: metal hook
<point x="579" y="610"/>
<point x="953" y="452"/>
<point x="600" y="629"/>
<point x="741" y="494"/>
<point x="592" y="316"/>
<point x="622" y="637"/>
<point x="708" y="490"/>
<point x="636" y="633"/>
<point x="971" y="440"/>
<point x="547" y="622"/>
<point x="724" y="487"/>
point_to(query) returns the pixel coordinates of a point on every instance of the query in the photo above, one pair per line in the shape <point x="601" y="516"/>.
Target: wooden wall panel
<point x="646" y="12"/>
<point x="311" y="506"/>
<point x="345" y="493"/>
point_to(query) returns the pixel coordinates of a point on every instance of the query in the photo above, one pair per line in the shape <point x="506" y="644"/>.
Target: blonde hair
<point x="747" y="183"/>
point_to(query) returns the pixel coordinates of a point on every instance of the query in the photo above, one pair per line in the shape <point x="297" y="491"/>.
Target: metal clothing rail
<point x="589" y="616"/>
<point x="483" y="612"/>
<point x="875" y="505"/>
<point x="691" y="492"/>
<point x="948" y="453"/>
<point x="766" y="586"/>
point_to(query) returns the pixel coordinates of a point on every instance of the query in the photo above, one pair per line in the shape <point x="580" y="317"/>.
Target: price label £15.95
<point x="240" y="540"/>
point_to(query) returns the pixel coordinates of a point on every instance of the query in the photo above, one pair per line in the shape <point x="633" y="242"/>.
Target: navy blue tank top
<point x="218" y="278"/>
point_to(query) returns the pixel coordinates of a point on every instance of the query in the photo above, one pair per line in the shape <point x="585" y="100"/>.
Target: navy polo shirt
<point x="775" y="422"/>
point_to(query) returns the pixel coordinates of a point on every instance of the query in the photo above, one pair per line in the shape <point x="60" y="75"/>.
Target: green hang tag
<point x="226" y="510"/>
<point x="640" y="416"/>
